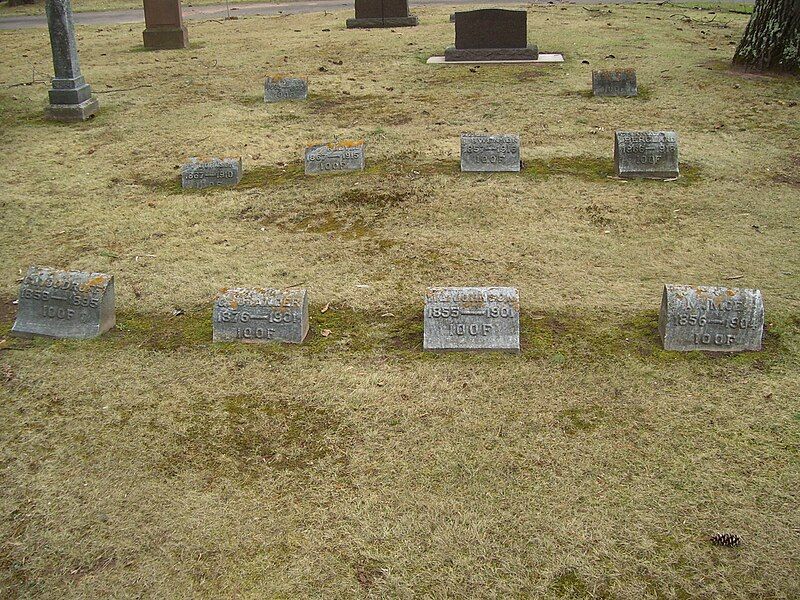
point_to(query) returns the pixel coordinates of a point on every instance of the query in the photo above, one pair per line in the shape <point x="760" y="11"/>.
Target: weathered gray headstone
<point x="64" y="304"/>
<point x="382" y="13"/>
<point x="334" y="158"/>
<point x="214" y="172"/>
<point x="471" y="318"/>
<point x="614" y="82"/>
<point x="70" y="97"/>
<point x="261" y="315"/>
<point x="646" y="154"/>
<point x="481" y="152"/>
<point x="713" y="319"/>
<point x="279" y="89"/>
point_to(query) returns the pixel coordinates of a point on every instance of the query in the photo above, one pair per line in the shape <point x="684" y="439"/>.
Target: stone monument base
<point x="409" y="21"/>
<point x="453" y="54"/>
<point x="166" y="38"/>
<point x="70" y="113"/>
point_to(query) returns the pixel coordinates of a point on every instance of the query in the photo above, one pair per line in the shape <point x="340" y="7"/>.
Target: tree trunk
<point x="771" y="41"/>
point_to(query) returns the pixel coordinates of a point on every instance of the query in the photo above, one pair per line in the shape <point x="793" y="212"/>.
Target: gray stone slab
<point x="646" y="154"/>
<point x="481" y="152"/>
<point x="336" y="157"/>
<point x="64" y="304"/>
<point x="713" y="319"/>
<point x="198" y="174"/>
<point x="471" y="318"/>
<point x="614" y="82"/>
<point x="261" y="315"/>
<point x="280" y="89"/>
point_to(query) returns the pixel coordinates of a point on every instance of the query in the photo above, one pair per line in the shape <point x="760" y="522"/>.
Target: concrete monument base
<point x="166" y="38"/>
<point x="71" y="113"/>
<point x="543" y="59"/>
<point x="409" y="21"/>
<point x="453" y="54"/>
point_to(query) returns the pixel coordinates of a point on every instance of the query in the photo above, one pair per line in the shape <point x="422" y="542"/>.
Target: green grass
<point x="154" y="463"/>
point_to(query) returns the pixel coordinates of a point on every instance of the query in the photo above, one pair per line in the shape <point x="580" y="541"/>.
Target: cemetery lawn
<point x="152" y="463"/>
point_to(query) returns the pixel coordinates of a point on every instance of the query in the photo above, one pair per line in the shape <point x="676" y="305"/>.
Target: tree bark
<point x="771" y="41"/>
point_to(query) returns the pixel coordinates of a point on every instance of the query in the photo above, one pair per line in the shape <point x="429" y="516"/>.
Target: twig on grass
<point x="144" y="85"/>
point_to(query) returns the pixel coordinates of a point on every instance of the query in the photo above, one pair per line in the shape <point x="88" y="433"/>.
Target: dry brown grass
<point x="152" y="463"/>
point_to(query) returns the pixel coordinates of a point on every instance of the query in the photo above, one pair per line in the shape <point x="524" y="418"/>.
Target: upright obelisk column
<point x="164" y="28"/>
<point x="70" y="97"/>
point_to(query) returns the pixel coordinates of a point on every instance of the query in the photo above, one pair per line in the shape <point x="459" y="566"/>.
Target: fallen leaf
<point x="325" y="308"/>
<point x="325" y="333"/>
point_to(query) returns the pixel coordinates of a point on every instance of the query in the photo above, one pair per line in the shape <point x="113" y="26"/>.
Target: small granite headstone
<point x="64" y="304"/>
<point x="382" y="13"/>
<point x="480" y="152"/>
<point x="471" y="318"/>
<point x="615" y="82"/>
<point x="261" y="315"/>
<point x="279" y="88"/>
<point x="491" y="34"/>
<point x="198" y="174"/>
<point x="646" y="154"/>
<point x="337" y="157"/>
<point x="713" y="319"/>
<point x="164" y="28"/>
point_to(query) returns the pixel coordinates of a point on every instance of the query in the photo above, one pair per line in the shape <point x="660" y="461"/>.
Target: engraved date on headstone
<point x="335" y="157"/>
<point x="260" y="315"/>
<point x="646" y="154"/>
<point x="713" y="319"/>
<point x="471" y="318"/>
<point x="197" y="174"/>
<point x="614" y="82"/>
<point x="278" y="89"/>
<point x="64" y="304"/>
<point x="480" y="152"/>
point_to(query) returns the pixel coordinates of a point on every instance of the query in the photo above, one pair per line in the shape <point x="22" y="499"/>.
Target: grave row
<point x="637" y="154"/>
<point x="80" y="305"/>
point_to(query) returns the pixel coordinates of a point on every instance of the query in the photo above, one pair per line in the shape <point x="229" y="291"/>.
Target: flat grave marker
<point x="261" y="315"/>
<point x="279" y="88"/>
<point x="646" y="154"/>
<point x="614" y="82"/>
<point x="712" y="319"/>
<point x="471" y="318"/>
<point x="64" y="304"/>
<point x="199" y="174"/>
<point x="338" y="157"/>
<point x="492" y="153"/>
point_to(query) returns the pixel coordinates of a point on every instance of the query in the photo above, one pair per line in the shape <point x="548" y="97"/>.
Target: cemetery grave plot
<point x="152" y="461"/>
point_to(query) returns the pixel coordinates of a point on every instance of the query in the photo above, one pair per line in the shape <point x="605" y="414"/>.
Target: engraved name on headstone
<point x="480" y="152"/>
<point x="713" y="319"/>
<point x="198" y="174"/>
<point x="491" y="34"/>
<point x="261" y="315"/>
<point x="64" y="304"/>
<point x="614" y="82"/>
<point x="646" y="154"/>
<point x="471" y="318"/>
<point x="278" y="88"/>
<point x="335" y="157"/>
<point x="382" y="13"/>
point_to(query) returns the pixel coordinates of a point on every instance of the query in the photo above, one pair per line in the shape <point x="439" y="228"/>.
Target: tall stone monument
<point x="70" y="97"/>
<point x="164" y="28"/>
<point x="491" y="34"/>
<point x="382" y="13"/>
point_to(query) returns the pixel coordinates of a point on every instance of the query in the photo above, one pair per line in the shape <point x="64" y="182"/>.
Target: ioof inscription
<point x="713" y="319"/>
<point x="492" y="153"/>
<point x="64" y="304"/>
<point x="646" y="154"/>
<point x="335" y="158"/>
<point x="198" y="174"/>
<point x="471" y="318"/>
<point x="614" y="82"/>
<point x="260" y="315"/>
<point x="280" y="89"/>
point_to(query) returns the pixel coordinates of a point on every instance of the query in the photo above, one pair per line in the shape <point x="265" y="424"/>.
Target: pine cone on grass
<point x="731" y="540"/>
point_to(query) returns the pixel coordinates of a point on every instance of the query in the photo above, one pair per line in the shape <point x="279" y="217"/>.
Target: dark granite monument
<point x="70" y="97"/>
<point x="491" y="34"/>
<point x="382" y="13"/>
<point x="64" y="304"/>
<point x="164" y="28"/>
